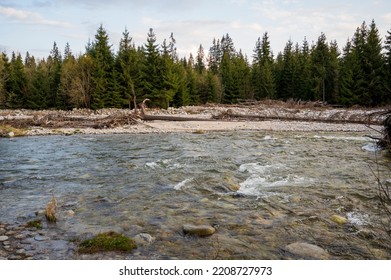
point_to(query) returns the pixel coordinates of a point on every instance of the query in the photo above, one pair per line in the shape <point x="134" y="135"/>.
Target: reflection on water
<point x="264" y="190"/>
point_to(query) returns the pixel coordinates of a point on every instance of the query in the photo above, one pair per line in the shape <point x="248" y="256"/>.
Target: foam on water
<point x="182" y="184"/>
<point x="371" y="147"/>
<point x="357" y="218"/>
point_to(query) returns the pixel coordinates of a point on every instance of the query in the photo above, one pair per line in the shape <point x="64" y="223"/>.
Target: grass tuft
<point x="50" y="211"/>
<point x="108" y="241"/>
<point x="34" y="224"/>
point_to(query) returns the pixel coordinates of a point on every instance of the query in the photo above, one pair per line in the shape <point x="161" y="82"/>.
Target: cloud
<point x="30" y="17"/>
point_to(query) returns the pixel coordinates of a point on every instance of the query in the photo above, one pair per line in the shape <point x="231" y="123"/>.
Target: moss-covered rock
<point x="107" y="241"/>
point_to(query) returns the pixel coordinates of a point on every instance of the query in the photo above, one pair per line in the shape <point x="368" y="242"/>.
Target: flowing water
<point x="261" y="190"/>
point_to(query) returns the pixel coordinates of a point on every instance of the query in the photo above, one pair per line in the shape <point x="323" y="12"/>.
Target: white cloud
<point x="30" y="17"/>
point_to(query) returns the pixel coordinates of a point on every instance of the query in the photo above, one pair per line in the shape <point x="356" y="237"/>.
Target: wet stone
<point x="339" y="219"/>
<point x="20" y="252"/>
<point x="40" y="238"/>
<point x="143" y="239"/>
<point x="15" y="257"/>
<point x="3" y="238"/>
<point x="20" y="236"/>
<point x="307" y="251"/>
<point x="6" y="243"/>
<point x="198" y="230"/>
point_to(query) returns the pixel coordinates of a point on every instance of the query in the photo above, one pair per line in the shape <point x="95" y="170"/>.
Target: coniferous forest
<point x="357" y="74"/>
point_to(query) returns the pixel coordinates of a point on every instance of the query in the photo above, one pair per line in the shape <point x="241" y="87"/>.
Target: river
<point x="261" y="190"/>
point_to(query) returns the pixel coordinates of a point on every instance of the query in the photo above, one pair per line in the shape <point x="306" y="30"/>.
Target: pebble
<point x="3" y="238"/>
<point x="20" y="251"/>
<point x="40" y="238"/>
<point x="20" y="236"/>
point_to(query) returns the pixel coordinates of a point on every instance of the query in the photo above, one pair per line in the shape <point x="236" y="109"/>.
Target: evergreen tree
<point x="152" y="72"/>
<point x="16" y="83"/>
<point x="348" y="63"/>
<point x="54" y="64"/>
<point x="105" y="92"/>
<point x="200" y="60"/>
<point x="319" y="68"/>
<point x="304" y="87"/>
<point x="374" y="65"/>
<point x="387" y="68"/>
<point x="285" y="73"/>
<point x="127" y="68"/>
<point x="262" y="69"/>
<point x="3" y="78"/>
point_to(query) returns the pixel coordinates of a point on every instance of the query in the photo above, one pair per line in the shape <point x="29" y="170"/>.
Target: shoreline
<point x="200" y="127"/>
<point x="263" y="116"/>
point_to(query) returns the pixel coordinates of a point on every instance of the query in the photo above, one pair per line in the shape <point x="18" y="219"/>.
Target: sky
<point x="34" y="25"/>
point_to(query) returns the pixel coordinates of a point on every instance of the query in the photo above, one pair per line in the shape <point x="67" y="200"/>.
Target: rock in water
<point x="307" y="251"/>
<point x="143" y="239"/>
<point x="339" y="219"/>
<point x="198" y="230"/>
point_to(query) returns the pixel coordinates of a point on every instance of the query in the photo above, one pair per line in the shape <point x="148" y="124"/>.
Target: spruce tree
<point x="152" y="72"/>
<point x="387" y="68"/>
<point x="105" y="92"/>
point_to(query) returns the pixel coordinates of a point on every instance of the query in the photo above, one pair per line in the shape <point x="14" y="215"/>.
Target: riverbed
<point x="262" y="190"/>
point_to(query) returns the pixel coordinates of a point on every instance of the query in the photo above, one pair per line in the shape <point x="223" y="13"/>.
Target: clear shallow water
<point x="264" y="190"/>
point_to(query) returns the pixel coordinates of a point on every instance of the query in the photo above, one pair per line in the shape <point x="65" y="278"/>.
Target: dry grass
<point x="50" y="211"/>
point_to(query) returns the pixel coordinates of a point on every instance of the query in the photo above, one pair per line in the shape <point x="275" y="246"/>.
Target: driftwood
<point x="230" y="116"/>
<point x="146" y="117"/>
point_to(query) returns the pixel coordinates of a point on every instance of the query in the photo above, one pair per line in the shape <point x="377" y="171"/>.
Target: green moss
<point x="108" y="241"/>
<point x="34" y="224"/>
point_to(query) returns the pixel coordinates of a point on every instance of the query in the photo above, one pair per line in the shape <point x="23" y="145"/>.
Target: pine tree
<point x="200" y="60"/>
<point x="285" y="72"/>
<point x="387" y="68"/>
<point x="152" y="72"/>
<point x="54" y="63"/>
<point x="105" y="92"/>
<point x="347" y="63"/>
<point x="16" y="83"/>
<point x="374" y="66"/>
<point x="127" y="67"/>
<point x="319" y="68"/>
<point x="262" y="69"/>
<point x="3" y="79"/>
<point x="304" y="87"/>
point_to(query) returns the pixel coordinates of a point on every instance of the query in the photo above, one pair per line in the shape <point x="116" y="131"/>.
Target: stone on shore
<point x="198" y="230"/>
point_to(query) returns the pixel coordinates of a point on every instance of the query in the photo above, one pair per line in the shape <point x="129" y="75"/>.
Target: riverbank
<point x="272" y="116"/>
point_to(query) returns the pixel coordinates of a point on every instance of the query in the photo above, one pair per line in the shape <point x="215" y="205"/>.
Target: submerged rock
<point x="198" y="230"/>
<point x="143" y="239"/>
<point x="308" y="251"/>
<point x="339" y="219"/>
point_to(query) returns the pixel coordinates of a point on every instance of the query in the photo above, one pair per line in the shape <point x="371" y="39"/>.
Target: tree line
<point x="100" y="77"/>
